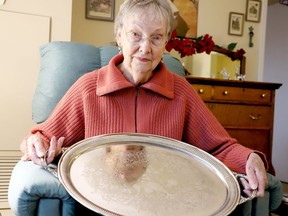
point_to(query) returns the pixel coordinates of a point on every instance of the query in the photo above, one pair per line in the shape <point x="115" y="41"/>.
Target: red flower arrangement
<point x="190" y="46"/>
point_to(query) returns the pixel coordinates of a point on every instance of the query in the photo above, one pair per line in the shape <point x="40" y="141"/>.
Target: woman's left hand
<point x="256" y="175"/>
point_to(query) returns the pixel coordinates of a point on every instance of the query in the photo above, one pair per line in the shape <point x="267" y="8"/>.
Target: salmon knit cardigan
<point x="103" y="102"/>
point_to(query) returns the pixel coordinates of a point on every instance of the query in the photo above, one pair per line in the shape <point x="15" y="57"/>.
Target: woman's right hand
<point x="36" y="148"/>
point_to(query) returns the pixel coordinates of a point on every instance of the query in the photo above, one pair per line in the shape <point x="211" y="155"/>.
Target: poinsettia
<point x="189" y="46"/>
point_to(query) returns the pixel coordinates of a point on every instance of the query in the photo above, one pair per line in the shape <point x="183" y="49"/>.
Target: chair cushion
<point x="62" y="63"/>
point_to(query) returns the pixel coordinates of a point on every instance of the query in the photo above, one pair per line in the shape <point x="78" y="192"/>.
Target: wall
<point x="20" y="40"/>
<point x="96" y="32"/>
<point x="213" y="18"/>
<point x="210" y="20"/>
<point x="275" y="70"/>
<point x="59" y="11"/>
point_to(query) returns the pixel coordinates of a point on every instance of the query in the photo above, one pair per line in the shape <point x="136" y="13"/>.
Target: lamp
<point x="284" y="2"/>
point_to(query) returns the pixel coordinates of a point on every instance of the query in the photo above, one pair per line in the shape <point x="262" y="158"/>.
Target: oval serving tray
<point x="141" y="174"/>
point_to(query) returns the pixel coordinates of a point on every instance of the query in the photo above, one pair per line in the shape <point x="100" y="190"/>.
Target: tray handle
<point x="244" y="199"/>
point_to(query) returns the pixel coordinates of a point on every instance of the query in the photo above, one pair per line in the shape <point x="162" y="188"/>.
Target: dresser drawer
<point x="205" y="91"/>
<point x="242" y="115"/>
<point x="257" y="139"/>
<point x="241" y="94"/>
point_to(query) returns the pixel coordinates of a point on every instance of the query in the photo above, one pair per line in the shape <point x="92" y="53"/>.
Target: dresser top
<point x="234" y="83"/>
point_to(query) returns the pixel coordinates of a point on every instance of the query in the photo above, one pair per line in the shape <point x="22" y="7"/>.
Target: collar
<point x="111" y="79"/>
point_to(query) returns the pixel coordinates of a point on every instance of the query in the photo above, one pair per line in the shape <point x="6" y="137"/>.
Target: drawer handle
<point x="263" y="95"/>
<point x="225" y="93"/>
<point x="257" y="117"/>
<point x="201" y="91"/>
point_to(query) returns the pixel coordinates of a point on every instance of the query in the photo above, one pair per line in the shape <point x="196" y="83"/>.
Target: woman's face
<point x="142" y="39"/>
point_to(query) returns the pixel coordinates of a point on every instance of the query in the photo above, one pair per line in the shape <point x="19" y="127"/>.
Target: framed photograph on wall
<point x="100" y="9"/>
<point x="236" y="22"/>
<point x="186" y="17"/>
<point x="253" y="10"/>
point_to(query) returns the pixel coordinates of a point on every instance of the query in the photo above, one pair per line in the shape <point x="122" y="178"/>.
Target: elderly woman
<point x="137" y="93"/>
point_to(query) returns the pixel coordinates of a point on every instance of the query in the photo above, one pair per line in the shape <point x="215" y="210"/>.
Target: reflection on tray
<point x="126" y="162"/>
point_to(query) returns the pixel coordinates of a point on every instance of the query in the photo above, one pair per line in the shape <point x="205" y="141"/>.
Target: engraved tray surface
<point x="141" y="174"/>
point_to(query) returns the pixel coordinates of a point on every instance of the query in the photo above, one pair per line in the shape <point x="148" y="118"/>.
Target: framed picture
<point x="236" y="22"/>
<point x="100" y="9"/>
<point x="186" y="17"/>
<point x="253" y="10"/>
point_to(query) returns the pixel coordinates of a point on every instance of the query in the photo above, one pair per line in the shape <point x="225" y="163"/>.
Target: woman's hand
<point x="38" y="149"/>
<point x="256" y="175"/>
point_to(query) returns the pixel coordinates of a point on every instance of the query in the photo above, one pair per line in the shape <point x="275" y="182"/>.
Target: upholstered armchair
<point x="35" y="191"/>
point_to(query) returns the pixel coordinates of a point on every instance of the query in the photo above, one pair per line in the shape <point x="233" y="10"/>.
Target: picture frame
<point x="236" y="22"/>
<point x="185" y="17"/>
<point x="100" y="9"/>
<point x="253" y="10"/>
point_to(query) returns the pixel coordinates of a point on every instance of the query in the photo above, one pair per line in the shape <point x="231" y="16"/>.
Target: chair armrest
<point x="29" y="183"/>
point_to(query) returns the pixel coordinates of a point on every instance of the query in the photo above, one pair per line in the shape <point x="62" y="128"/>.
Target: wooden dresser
<point x="244" y="108"/>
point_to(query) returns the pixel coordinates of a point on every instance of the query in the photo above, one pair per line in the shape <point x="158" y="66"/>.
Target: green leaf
<point x="199" y="38"/>
<point x="231" y="46"/>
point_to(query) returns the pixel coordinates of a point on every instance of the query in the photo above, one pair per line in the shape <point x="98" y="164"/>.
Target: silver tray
<point x="140" y="174"/>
